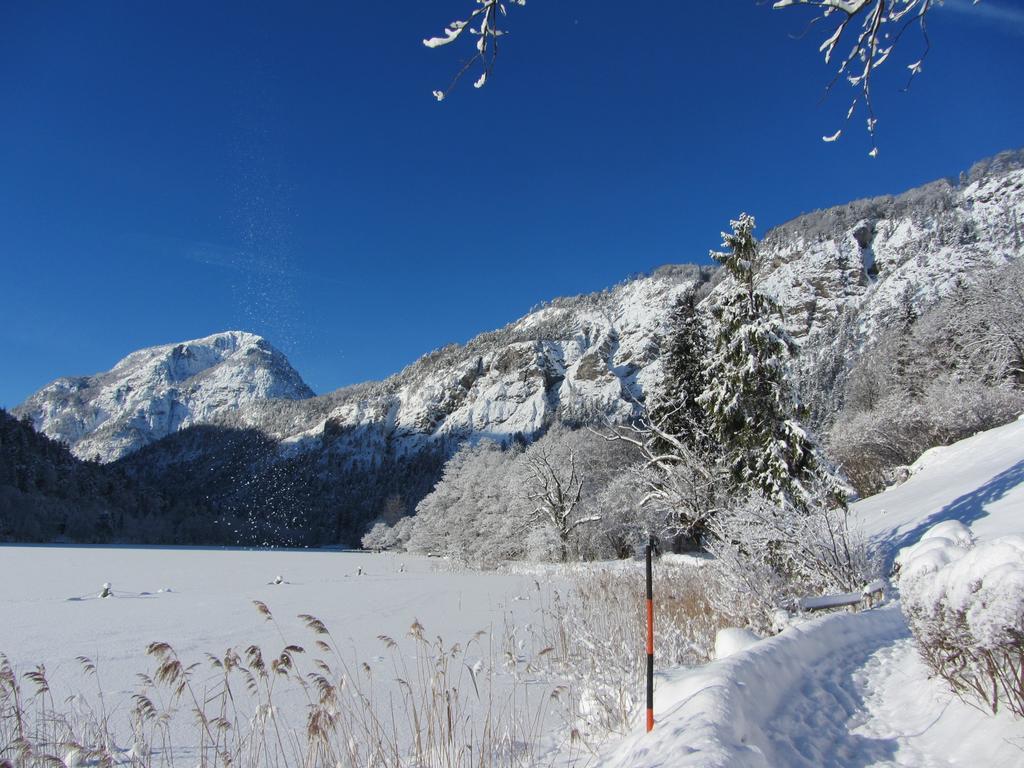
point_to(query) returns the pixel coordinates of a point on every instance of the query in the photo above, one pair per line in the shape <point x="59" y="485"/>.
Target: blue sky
<point x="169" y="170"/>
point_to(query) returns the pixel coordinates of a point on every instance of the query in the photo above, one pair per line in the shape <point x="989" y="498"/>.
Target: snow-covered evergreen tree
<point x="674" y="407"/>
<point x="751" y="405"/>
<point x="672" y="441"/>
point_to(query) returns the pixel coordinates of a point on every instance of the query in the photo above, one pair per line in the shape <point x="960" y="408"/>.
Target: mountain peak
<point x="158" y="390"/>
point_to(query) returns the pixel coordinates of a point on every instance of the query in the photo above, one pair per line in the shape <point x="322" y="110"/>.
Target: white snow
<point x="732" y="640"/>
<point x="200" y="601"/>
<point x="831" y="601"/>
<point x="978" y="482"/>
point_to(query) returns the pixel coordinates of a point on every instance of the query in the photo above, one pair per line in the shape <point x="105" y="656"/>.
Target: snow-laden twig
<point x="876" y="26"/>
<point x="482" y="24"/>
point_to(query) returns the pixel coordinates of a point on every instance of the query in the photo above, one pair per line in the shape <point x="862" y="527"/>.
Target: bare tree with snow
<point x="682" y="485"/>
<point x="553" y="487"/>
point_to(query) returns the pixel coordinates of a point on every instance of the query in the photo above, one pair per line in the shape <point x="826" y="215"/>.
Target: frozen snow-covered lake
<point x="200" y="600"/>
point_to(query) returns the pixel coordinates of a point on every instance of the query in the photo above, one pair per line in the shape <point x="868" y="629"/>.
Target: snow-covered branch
<point x="680" y="484"/>
<point x="482" y="24"/>
<point x="876" y="27"/>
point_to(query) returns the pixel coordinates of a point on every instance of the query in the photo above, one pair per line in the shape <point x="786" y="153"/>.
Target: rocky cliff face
<point x="851" y="275"/>
<point x="157" y="391"/>
<point x="866" y="261"/>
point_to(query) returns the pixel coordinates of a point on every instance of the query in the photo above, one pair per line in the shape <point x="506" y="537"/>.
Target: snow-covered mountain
<point x="840" y="275"/>
<point x="574" y="359"/>
<point x="157" y="391"/>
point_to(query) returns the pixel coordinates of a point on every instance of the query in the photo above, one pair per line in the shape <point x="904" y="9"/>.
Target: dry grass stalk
<point x="491" y="701"/>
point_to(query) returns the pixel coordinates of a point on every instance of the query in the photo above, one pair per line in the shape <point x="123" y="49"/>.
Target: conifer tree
<point x="750" y="403"/>
<point x="675" y="408"/>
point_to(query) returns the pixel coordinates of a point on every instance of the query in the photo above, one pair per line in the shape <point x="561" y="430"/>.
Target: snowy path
<point x="819" y="721"/>
<point x="849" y="689"/>
<point x="843" y="690"/>
<point x="878" y="708"/>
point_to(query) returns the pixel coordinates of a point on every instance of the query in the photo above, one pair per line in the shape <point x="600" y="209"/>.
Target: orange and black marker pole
<point x="650" y="639"/>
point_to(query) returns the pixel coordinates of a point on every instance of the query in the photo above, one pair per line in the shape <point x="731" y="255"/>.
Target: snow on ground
<point x="849" y="689"/>
<point x="978" y="481"/>
<point x="200" y="600"/>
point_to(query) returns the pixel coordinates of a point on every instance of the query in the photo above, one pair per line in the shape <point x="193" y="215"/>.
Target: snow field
<point x="369" y="602"/>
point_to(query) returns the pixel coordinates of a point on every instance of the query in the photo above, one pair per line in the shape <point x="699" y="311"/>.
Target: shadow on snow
<point x="967" y="508"/>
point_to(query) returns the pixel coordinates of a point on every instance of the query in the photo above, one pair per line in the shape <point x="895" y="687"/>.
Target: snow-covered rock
<point x="154" y="392"/>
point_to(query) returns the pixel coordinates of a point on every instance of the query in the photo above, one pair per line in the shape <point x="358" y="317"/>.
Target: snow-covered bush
<point x="389" y="538"/>
<point x="542" y="544"/>
<point x="377" y="538"/>
<point x="675" y="487"/>
<point x="769" y="556"/>
<point x="964" y="603"/>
